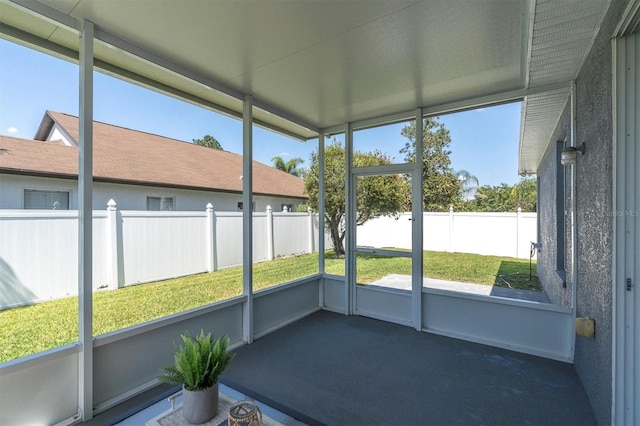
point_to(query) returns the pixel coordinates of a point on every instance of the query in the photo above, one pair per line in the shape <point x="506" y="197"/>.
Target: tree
<point x="505" y="198"/>
<point x="290" y="166"/>
<point x="376" y="195"/>
<point x="441" y="186"/>
<point x="493" y="199"/>
<point x="525" y="194"/>
<point x="469" y="184"/>
<point x="208" y="141"/>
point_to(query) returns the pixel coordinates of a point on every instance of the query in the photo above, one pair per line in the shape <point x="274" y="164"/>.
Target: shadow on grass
<point x="514" y="275"/>
<point x="12" y="291"/>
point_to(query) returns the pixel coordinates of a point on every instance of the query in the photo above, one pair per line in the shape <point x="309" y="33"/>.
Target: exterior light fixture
<point x="570" y="153"/>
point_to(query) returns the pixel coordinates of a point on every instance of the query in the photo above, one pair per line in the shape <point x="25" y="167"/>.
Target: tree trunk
<point x="336" y="239"/>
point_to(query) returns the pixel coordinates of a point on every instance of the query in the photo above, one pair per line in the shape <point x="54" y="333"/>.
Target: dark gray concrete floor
<point x="337" y="369"/>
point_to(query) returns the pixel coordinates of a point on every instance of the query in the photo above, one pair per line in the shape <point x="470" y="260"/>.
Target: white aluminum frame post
<point x="85" y="219"/>
<point x="321" y="198"/>
<point x="247" y="219"/>
<point x="417" y="228"/>
<point x="350" y="225"/>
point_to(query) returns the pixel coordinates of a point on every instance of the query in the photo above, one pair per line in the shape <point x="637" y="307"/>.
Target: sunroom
<point x="309" y="70"/>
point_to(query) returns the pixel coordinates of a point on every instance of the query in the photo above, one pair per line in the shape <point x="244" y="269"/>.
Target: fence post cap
<point x="450" y="209"/>
<point x="519" y="209"/>
<point x="111" y="204"/>
<point x="309" y="210"/>
<point x="285" y="209"/>
<point x="269" y="209"/>
<point x="209" y="207"/>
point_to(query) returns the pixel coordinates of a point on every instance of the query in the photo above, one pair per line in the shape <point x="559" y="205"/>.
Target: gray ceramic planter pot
<point x="200" y="406"/>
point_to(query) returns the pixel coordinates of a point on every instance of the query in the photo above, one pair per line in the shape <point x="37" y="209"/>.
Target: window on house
<point x="160" y="203"/>
<point x="253" y="206"/>
<point x="46" y="200"/>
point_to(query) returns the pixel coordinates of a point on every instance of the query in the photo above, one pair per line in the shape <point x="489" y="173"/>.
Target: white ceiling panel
<point x="227" y="39"/>
<point x="397" y="63"/>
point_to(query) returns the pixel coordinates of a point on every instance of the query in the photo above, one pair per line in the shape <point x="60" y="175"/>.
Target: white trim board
<point x="626" y="223"/>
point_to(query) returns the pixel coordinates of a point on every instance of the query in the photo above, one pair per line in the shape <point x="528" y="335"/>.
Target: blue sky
<point x="484" y="141"/>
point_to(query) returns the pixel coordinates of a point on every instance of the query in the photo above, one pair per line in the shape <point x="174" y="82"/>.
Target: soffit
<point x="540" y="115"/>
<point x="563" y="32"/>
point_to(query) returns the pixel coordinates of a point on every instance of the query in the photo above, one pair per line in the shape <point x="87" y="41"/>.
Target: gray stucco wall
<point x="594" y="183"/>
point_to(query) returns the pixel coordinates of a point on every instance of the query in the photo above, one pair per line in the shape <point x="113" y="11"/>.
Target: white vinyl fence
<point x="38" y="249"/>
<point x="493" y="234"/>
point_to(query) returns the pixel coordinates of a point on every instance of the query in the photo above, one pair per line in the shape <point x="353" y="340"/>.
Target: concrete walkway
<point x="403" y="282"/>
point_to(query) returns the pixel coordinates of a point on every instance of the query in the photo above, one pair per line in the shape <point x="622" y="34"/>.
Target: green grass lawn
<point x="31" y="329"/>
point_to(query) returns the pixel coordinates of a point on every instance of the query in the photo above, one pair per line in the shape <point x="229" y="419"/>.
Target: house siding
<point x="130" y="197"/>
<point x="594" y="221"/>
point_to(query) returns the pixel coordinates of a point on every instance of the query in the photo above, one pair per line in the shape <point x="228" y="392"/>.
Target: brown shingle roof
<point x="129" y="156"/>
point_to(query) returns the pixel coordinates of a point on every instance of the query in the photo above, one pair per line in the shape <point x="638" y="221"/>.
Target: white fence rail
<point x="38" y="249"/>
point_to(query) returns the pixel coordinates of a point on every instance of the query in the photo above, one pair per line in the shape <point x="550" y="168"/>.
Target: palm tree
<point x="290" y="166"/>
<point x="469" y="185"/>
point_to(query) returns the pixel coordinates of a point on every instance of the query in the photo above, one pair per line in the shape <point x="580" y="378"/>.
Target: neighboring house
<point x="139" y="170"/>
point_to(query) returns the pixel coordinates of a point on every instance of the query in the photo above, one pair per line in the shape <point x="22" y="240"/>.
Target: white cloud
<point x="284" y="154"/>
<point x="12" y="130"/>
<point x="479" y="109"/>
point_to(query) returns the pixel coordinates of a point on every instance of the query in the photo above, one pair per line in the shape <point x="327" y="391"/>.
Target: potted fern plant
<point x="198" y="365"/>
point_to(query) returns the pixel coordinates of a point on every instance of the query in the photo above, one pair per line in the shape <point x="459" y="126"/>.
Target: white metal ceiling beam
<point x="40" y="44"/>
<point x="271" y="109"/>
<point x="381" y="121"/>
<point x="447" y="108"/>
<point x="48" y="13"/>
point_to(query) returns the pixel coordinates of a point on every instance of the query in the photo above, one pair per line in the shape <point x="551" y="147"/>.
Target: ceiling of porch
<point x="314" y="65"/>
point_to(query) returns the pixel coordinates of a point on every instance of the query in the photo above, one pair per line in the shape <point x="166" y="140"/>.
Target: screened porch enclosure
<point x="341" y="68"/>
